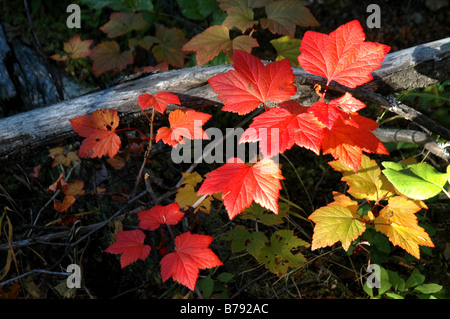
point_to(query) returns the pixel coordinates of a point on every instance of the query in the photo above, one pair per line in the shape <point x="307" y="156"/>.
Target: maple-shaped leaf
<point x="61" y="157"/>
<point x="74" y="189"/>
<point x="242" y="239"/>
<point x="398" y="221"/>
<point x="287" y="48"/>
<point x="158" y="215"/>
<point x="241" y="184"/>
<point x="346" y="142"/>
<point x="251" y="83"/>
<point x="240" y="17"/>
<point x="129" y="243"/>
<point x="336" y="222"/>
<point x="216" y="39"/>
<point x="279" y="256"/>
<point x="187" y="195"/>
<point x="192" y="253"/>
<point x="159" y="101"/>
<point x="99" y="130"/>
<point x="183" y="124"/>
<point x="284" y="15"/>
<point x="278" y="129"/>
<point x="169" y="46"/>
<point x="107" y="57"/>
<point x="342" y="56"/>
<point x="120" y="23"/>
<point x="76" y="48"/>
<point x="367" y="183"/>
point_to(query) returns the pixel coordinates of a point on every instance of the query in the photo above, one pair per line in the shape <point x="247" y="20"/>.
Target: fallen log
<point x="21" y="134"/>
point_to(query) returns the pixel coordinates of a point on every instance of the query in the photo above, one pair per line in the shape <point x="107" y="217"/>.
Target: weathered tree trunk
<point x="416" y="67"/>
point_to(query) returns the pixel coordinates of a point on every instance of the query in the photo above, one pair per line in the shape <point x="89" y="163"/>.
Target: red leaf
<point x="240" y="185"/>
<point x="342" y="56"/>
<point x="251" y="83"/>
<point x="191" y="254"/>
<point x="183" y="124"/>
<point x="347" y="142"/>
<point x="159" y="101"/>
<point x="99" y="128"/>
<point x="157" y="215"/>
<point x="278" y="129"/>
<point x="130" y="244"/>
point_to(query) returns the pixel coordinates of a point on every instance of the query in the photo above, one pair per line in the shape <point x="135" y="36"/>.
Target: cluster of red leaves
<point x="191" y="251"/>
<point x="332" y="127"/>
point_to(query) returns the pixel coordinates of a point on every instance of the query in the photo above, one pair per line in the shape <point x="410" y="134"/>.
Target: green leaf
<point x="281" y="255"/>
<point x="385" y="284"/>
<point x="392" y="295"/>
<point x="120" y="23"/>
<point x="170" y="42"/>
<point x="242" y="239"/>
<point x="225" y="277"/>
<point x="428" y="288"/>
<point x="415" y="279"/>
<point x="287" y="48"/>
<point x="197" y="9"/>
<point x="206" y="286"/>
<point x="264" y="215"/>
<point x="240" y="17"/>
<point x="398" y="283"/>
<point x="417" y="181"/>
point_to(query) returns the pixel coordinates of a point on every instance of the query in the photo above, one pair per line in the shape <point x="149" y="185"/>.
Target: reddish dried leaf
<point x="284" y="15"/>
<point x="76" y="48"/>
<point x="120" y="23"/>
<point x="75" y="188"/>
<point x="251" y="83"/>
<point x="65" y="204"/>
<point x="158" y="215"/>
<point x="183" y="124"/>
<point x="159" y="101"/>
<point x="191" y="254"/>
<point x="209" y="43"/>
<point x="342" y="56"/>
<point x="58" y="184"/>
<point x="107" y="57"/>
<point x="241" y="184"/>
<point x="131" y="245"/>
<point x="169" y="46"/>
<point x="99" y="128"/>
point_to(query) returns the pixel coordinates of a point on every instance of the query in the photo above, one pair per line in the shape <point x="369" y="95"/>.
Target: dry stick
<point x="39" y="271"/>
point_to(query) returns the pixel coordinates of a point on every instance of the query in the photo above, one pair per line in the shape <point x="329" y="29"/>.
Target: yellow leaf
<point x="191" y="178"/>
<point x="336" y="222"/>
<point x="401" y="210"/>
<point x="367" y="182"/>
<point x="407" y="238"/>
<point x="187" y="196"/>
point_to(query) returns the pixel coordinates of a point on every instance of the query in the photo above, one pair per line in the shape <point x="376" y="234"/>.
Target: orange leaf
<point x="183" y="124"/>
<point x="65" y="204"/>
<point x="99" y="128"/>
<point x="76" y="48"/>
